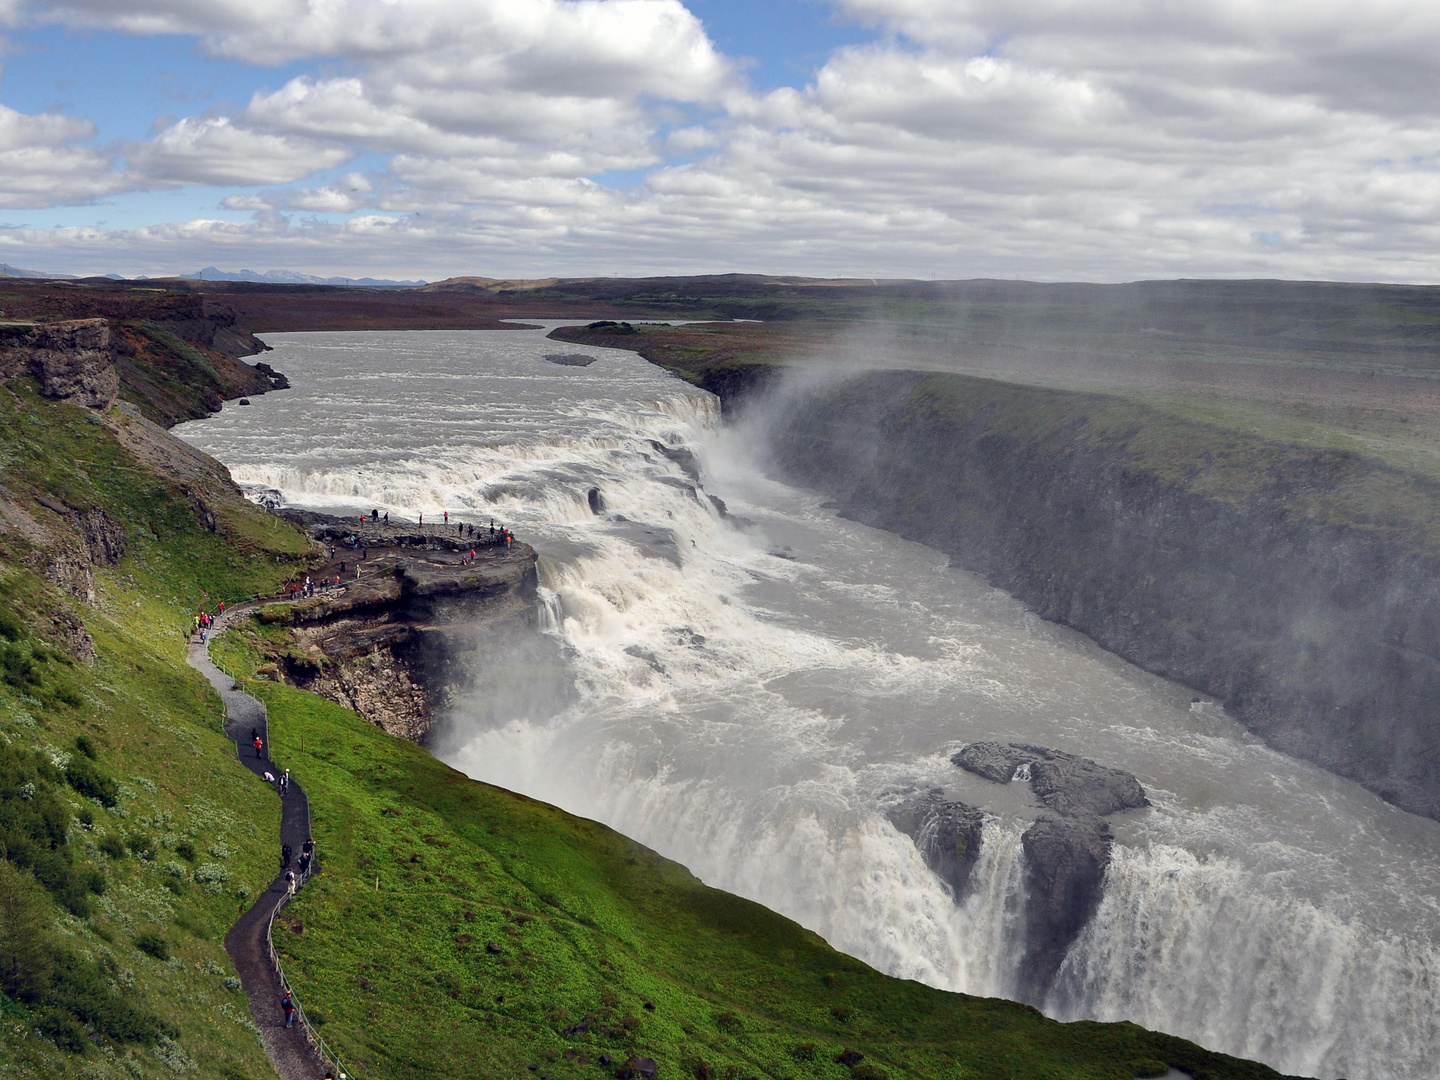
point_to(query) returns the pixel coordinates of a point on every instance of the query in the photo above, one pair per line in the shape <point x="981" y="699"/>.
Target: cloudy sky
<point x="1046" y="139"/>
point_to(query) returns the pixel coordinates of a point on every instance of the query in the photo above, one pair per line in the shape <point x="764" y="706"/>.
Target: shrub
<point x="85" y="746"/>
<point x="185" y="850"/>
<point x="153" y="945"/>
<point x="141" y="845"/>
<point x="11" y="628"/>
<point x="804" y="1052"/>
<point x="25" y="944"/>
<point x="175" y="870"/>
<point x="17" y="666"/>
<point x="208" y="872"/>
<point x="63" y="1028"/>
<point x="113" y="846"/>
<point x="89" y="781"/>
<point x="868" y="1072"/>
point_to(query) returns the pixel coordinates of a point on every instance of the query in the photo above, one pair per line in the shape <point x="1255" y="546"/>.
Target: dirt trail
<point x="290" y="1049"/>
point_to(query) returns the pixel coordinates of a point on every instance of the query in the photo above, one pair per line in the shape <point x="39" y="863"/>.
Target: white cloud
<point x="40" y="165"/>
<point x="1043" y="137"/>
<point x="217" y="151"/>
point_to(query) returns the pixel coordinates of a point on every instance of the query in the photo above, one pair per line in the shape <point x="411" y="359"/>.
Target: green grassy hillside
<point x="462" y="930"/>
<point x="128" y="837"/>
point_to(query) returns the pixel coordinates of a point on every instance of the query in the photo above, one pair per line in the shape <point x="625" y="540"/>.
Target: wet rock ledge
<point x="1066" y="852"/>
<point x="396" y="640"/>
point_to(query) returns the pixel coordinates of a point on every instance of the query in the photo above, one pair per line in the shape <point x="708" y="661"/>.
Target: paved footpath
<point x="290" y="1049"/>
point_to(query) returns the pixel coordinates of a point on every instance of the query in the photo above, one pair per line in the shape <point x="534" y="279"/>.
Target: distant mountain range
<point x="290" y="277"/>
<point x="6" y="270"/>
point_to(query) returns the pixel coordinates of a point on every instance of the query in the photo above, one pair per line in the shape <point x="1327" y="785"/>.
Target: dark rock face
<point x="1065" y="868"/>
<point x="571" y="359"/>
<point x="947" y="835"/>
<point x="596" y="501"/>
<point x="993" y="761"/>
<point x="70" y="361"/>
<point x="1065" y="856"/>
<point x="104" y="537"/>
<point x="680" y="456"/>
<point x="1066" y="783"/>
<point x="1318" y="637"/>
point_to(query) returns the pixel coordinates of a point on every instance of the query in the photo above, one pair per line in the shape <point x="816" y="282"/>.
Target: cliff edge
<point x="396" y="615"/>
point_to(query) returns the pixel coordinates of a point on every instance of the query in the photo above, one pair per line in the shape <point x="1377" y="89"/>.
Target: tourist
<point x="288" y="1004"/>
<point x="290" y="887"/>
<point x="447" y="517"/>
<point x="259" y="747"/>
<point x="285" y="853"/>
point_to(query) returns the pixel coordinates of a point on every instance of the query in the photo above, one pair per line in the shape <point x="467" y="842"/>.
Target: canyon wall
<point x="1299" y="585"/>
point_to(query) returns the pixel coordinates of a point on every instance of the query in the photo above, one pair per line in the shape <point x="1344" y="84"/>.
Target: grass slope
<point x="459" y="929"/>
<point x="114" y="774"/>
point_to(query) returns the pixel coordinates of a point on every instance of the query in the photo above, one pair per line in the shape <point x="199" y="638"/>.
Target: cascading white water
<point x="749" y="695"/>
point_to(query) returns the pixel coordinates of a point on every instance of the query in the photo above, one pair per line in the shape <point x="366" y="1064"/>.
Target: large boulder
<point x="1065" y="862"/>
<point x="1066" y="783"/>
<point x="947" y="835"/>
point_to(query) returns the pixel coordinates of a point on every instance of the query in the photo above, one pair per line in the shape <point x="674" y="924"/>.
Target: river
<point x="747" y="693"/>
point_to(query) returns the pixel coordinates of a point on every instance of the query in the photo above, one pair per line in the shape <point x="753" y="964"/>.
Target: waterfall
<point x="745" y="691"/>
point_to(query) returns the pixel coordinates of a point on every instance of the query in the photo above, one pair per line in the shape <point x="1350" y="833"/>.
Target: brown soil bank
<point x="1301" y="585"/>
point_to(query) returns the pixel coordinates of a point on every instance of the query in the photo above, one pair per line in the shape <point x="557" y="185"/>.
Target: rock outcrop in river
<point x="1065" y="855"/>
<point x="947" y="834"/>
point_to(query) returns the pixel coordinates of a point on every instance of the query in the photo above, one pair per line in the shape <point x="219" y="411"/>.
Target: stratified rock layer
<point x="396" y="642"/>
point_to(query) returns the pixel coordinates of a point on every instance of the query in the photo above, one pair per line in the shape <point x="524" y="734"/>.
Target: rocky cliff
<point x="396" y="639"/>
<point x="71" y="360"/>
<point x="180" y="364"/>
<point x="1299" y="585"/>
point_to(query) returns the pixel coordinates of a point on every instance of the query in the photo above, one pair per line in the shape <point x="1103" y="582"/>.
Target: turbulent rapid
<point x="749" y="684"/>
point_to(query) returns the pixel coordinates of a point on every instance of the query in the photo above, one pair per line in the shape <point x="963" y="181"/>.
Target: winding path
<point x="290" y="1050"/>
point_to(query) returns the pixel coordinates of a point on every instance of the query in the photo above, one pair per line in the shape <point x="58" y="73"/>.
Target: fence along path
<point x="297" y="1052"/>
